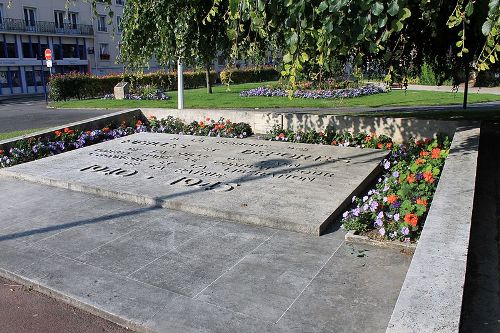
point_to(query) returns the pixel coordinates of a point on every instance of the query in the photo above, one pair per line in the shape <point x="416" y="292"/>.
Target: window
<point x="16" y="78"/>
<point x="83" y="54"/>
<point x="29" y="18"/>
<point x="10" y="52"/>
<point x="27" y="51"/>
<point x="30" y="77"/>
<point x="4" y="81"/>
<point x="68" y="50"/>
<point x="101" y="23"/>
<point x="120" y="2"/>
<point x="73" y="20"/>
<point x="104" y="52"/>
<point x="57" y="54"/>
<point x="119" y="23"/>
<point x="1" y="13"/>
<point x="59" y="19"/>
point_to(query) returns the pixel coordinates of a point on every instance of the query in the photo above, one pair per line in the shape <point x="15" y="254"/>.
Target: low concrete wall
<point x="431" y="297"/>
<point x="400" y="129"/>
<point x="127" y="116"/>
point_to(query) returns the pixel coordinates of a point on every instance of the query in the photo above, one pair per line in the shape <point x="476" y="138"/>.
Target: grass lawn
<point x="10" y="135"/>
<point x="222" y="98"/>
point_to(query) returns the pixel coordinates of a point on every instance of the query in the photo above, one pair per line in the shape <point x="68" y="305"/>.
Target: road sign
<point x="48" y="54"/>
<point x="49" y="63"/>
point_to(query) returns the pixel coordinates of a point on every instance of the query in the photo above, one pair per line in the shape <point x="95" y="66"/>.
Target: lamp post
<point x="180" y="85"/>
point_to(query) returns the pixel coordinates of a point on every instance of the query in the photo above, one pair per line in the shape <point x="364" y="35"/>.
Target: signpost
<point x="48" y="59"/>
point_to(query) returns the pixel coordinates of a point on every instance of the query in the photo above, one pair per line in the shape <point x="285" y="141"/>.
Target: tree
<point x="169" y="30"/>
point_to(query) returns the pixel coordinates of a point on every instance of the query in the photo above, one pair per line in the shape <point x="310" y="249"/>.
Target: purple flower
<point x="345" y="215"/>
<point x="396" y="204"/>
<point x="378" y="222"/>
<point x="381" y="231"/>
<point x="396" y="217"/>
<point x="395" y="174"/>
<point x="374" y="206"/>
<point x="405" y="231"/>
<point x="356" y="211"/>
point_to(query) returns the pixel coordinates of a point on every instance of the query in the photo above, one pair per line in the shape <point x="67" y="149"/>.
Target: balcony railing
<point x="8" y="24"/>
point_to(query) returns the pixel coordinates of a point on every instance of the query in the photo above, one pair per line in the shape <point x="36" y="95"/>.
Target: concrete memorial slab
<point x="296" y="187"/>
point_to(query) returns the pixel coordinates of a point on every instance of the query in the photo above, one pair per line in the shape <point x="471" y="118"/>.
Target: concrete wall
<point x="400" y="129"/>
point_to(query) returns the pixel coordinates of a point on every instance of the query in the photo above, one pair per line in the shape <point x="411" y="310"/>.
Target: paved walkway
<point x="17" y="115"/>
<point x="168" y="271"/>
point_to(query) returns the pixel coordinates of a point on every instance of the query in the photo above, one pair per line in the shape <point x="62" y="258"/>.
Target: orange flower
<point x="228" y="121"/>
<point x="88" y="132"/>
<point x="66" y="130"/>
<point x="1" y="152"/>
<point x="389" y="145"/>
<point x="411" y="219"/>
<point x="58" y="133"/>
<point x="201" y="123"/>
<point x="138" y="123"/>
<point x="424" y="153"/>
<point x="428" y="177"/>
<point x="281" y="136"/>
<point x="380" y="146"/>
<point x="411" y="178"/>
<point x="392" y="198"/>
<point x="334" y="143"/>
<point x="368" y="138"/>
<point x="152" y="118"/>
<point x="436" y="153"/>
<point x="421" y="202"/>
<point x="420" y="161"/>
<point x="106" y="129"/>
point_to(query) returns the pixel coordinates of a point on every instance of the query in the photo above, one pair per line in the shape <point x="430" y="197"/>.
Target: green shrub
<point x="80" y="86"/>
<point x="249" y="75"/>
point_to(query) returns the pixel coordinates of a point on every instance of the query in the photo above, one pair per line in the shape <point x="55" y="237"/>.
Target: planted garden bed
<point x="395" y="207"/>
<point x="67" y="139"/>
<point x="313" y="94"/>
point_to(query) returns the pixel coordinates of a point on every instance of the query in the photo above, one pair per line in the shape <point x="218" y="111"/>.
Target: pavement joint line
<point x="173" y="249"/>
<point x="239" y="261"/>
<point x="309" y="283"/>
<point x="112" y="240"/>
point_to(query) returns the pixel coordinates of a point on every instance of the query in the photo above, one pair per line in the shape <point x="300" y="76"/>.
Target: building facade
<point x="80" y="41"/>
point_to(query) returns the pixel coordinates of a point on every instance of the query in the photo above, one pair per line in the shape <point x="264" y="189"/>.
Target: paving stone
<point x="195" y="265"/>
<point x="109" y="292"/>
<point x="161" y="232"/>
<point x="351" y="293"/>
<point x="217" y="177"/>
<point x="268" y="280"/>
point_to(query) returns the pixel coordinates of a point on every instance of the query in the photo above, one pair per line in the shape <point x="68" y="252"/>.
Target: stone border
<point x="352" y="237"/>
<point x="88" y="124"/>
<point x="431" y="296"/>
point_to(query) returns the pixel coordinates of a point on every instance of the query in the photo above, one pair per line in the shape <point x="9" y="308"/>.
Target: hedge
<point x="248" y="75"/>
<point x="80" y="86"/>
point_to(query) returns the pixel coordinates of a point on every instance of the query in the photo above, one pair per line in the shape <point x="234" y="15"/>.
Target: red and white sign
<point x="48" y="54"/>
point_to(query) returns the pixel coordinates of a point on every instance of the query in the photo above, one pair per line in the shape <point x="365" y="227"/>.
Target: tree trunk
<point x="466" y="87"/>
<point x="209" y="82"/>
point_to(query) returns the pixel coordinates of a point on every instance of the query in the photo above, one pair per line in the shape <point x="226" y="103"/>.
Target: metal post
<point x="44" y="85"/>
<point x="180" y="85"/>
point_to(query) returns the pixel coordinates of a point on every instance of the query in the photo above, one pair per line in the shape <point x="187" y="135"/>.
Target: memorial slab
<point x="298" y="187"/>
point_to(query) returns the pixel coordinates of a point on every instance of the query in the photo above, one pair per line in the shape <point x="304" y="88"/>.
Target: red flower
<point x="334" y="143"/>
<point x="436" y="153"/>
<point x="411" y="219"/>
<point x="207" y="119"/>
<point x="228" y="121"/>
<point x="106" y="129"/>
<point x="368" y="138"/>
<point x="420" y="161"/>
<point x="411" y="178"/>
<point x="428" y="177"/>
<point x="281" y="136"/>
<point x="424" y="153"/>
<point x="1" y="152"/>
<point x="138" y="123"/>
<point x="58" y="133"/>
<point x="380" y="146"/>
<point x="422" y="202"/>
<point x="201" y="123"/>
<point x="389" y="145"/>
<point x="392" y="198"/>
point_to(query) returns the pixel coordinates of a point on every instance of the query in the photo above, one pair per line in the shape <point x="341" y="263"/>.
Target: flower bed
<point x="60" y="141"/>
<point x="314" y="94"/>
<point x="396" y="207"/>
